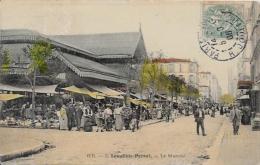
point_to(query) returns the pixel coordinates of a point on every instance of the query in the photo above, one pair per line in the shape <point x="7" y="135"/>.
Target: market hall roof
<point x="107" y="45"/>
<point x="114" y="45"/>
<point x="99" y="46"/>
<point x="12" y="32"/>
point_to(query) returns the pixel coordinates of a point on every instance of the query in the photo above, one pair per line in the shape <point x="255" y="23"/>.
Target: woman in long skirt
<point x="118" y="119"/>
<point x="63" y="119"/>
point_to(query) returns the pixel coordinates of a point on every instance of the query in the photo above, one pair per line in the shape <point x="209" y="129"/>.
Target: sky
<point x="170" y="26"/>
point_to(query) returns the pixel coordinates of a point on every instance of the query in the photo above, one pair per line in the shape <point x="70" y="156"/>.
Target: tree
<point x="175" y="86"/>
<point x="151" y="76"/>
<point x="38" y="54"/>
<point x="6" y="61"/>
<point x="191" y="92"/>
<point x="227" y="99"/>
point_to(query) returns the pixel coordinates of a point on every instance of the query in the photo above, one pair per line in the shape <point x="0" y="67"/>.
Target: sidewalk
<point x="239" y="149"/>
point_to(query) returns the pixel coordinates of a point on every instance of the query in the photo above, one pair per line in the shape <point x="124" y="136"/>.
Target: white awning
<point x="243" y="97"/>
<point x="105" y="90"/>
<point x="38" y="89"/>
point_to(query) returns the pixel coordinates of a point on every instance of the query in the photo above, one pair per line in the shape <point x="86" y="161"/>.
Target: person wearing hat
<point x="87" y="114"/>
<point x="133" y="122"/>
<point x="108" y="117"/>
<point x="63" y="119"/>
<point x="71" y="115"/>
<point x="199" y="119"/>
<point x="235" y="117"/>
<point x="127" y="117"/>
<point x="99" y="120"/>
<point x="118" y="118"/>
<point x="167" y="112"/>
<point x="79" y="113"/>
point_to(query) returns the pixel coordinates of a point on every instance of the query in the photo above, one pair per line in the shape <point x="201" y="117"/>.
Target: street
<point x="161" y="143"/>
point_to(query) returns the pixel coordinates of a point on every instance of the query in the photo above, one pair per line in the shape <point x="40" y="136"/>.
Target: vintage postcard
<point x="129" y="82"/>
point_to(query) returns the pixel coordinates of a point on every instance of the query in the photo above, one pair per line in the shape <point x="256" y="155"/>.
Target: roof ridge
<point x="22" y="29"/>
<point x="108" y="33"/>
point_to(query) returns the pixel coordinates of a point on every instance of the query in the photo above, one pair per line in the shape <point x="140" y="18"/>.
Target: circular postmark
<point x="223" y="35"/>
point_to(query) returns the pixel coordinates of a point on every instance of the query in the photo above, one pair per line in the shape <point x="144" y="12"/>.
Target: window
<point x="192" y="79"/>
<point x="171" y="67"/>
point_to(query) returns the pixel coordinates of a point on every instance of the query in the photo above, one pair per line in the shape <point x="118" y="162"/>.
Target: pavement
<point x="154" y="144"/>
<point x="14" y="145"/>
<point x="229" y="149"/>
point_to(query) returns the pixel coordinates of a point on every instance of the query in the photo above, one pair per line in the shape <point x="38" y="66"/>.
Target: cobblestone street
<point x="161" y="143"/>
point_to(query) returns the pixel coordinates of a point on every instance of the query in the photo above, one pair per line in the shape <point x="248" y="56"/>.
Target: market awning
<point x="75" y="89"/>
<point x="96" y="95"/>
<point x="103" y="89"/>
<point x="84" y="91"/>
<point x="140" y="102"/>
<point x="38" y="89"/>
<point x="7" y="97"/>
<point x="117" y="97"/>
<point x="243" y="97"/>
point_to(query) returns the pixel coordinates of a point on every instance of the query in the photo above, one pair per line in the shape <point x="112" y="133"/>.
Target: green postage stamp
<point x="223" y="34"/>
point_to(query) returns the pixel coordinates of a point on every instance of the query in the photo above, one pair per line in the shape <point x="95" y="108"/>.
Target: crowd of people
<point x="106" y="117"/>
<point x="68" y="114"/>
<point x="103" y="116"/>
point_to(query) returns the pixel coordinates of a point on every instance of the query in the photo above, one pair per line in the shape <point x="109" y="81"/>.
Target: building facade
<point x="209" y="86"/>
<point x="232" y="82"/>
<point x="205" y="84"/>
<point x="182" y="68"/>
<point x="255" y="59"/>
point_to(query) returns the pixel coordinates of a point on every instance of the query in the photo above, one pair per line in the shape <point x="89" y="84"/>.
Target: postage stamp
<point x="223" y="35"/>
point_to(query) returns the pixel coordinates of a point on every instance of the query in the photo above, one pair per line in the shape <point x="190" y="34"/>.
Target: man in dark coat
<point x="127" y="117"/>
<point x="167" y="113"/>
<point x="133" y="120"/>
<point x="71" y="115"/>
<point x="235" y="117"/>
<point x="221" y="110"/>
<point x="79" y="113"/>
<point x="199" y="119"/>
<point x="138" y="115"/>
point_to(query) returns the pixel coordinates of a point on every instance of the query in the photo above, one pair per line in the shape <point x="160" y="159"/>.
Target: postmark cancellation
<point x="223" y="34"/>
